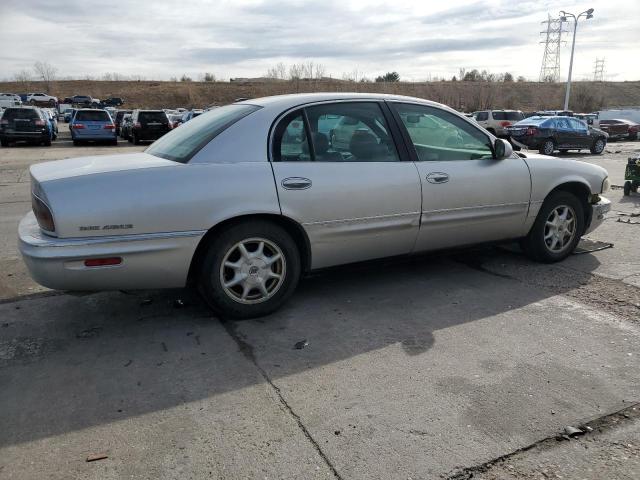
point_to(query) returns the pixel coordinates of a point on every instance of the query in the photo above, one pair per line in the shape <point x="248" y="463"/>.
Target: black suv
<point x="548" y="134"/>
<point x="113" y="102"/>
<point x="24" y="124"/>
<point x="148" y="125"/>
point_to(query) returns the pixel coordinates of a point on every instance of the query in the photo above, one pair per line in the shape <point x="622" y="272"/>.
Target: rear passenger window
<point x="482" y="116"/>
<point x="290" y="140"/>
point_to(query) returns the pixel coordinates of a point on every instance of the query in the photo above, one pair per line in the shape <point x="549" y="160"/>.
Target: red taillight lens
<point x="102" y="262"/>
<point x="505" y="124"/>
<point x="531" y="131"/>
<point x="43" y="214"/>
<point x="77" y="126"/>
<point x="137" y="125"/>
<point x="110" y="126"/>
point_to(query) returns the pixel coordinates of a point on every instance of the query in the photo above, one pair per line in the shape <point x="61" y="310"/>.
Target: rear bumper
<point x="598" y="213"/>
<point x="156" y="260"/>
<point x="94" y="136"/>
<point x="22" y="136"/>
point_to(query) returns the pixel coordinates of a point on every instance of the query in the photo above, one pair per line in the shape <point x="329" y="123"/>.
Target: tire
<point x="135" y="139"/>
<point x="627" y="188"/>
<point x="76" y="143"/>
<point x="633" y="136"/>
<point x="598" y="146"/>
<point x="225" y="249"/>
<point x="129" y="139"/>
<point x="114" y="142"/>
<point x="52" y="102"/>
<point x="547" y="147"/>
<point x="535" y="244"/>
<point x="4" y="143"/>
<point x="47" y="142"/>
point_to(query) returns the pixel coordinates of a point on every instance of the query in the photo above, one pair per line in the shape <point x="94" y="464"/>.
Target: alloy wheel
<point x="252" y="270"/>
<point x="548" y="147"/>
<point x="599" y="146"/>
<point x="560" y="228"/>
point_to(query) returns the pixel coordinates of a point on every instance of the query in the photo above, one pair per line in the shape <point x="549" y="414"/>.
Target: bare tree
<point x="320" y="71"/>
<point x="277" y="72"/>
<point x="23" y="76"/>
<point x="46" y="72"/>
<point x="296" y="71"/>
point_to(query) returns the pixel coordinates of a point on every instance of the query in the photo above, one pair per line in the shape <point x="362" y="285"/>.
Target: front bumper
<point x="155" y="260"/>
<point x="598" y="213"/>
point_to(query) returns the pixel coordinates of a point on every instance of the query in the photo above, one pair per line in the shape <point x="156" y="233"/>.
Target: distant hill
<point x="464" y="96"/>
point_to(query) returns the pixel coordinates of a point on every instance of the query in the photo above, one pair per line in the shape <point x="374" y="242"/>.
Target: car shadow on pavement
<point x="72" y="362"/>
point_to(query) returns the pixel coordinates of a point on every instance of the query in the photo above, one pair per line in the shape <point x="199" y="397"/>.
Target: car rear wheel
<point x="548" y="147"/>
<point x="249" y="270"/>
<point x="135" y="139"/>
<point x="4" y="143"/>
<point x="626" y="189"/>
<point x="47" y="142"/>
<point x="557" y="229"/>
<point x="598" y="146"/>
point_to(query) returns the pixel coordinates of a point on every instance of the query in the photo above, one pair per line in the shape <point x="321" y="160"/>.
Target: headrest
<point x="363" y="145"/>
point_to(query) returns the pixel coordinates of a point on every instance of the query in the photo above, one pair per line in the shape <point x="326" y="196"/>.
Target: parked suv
<point x="148" y="125"/>
<point x="24" y="124"/>
<point x="548" y="134"/>
<point x="497" y="121"/>
<point x="90" y="124"/>
<point x="118" y="119"/>
<point x="82" y="99"/>
<point x="11" y="99"/>
<point x="41" y="98"/>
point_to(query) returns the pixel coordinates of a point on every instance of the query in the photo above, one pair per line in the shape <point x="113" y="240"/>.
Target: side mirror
<point x="502" y="149"/>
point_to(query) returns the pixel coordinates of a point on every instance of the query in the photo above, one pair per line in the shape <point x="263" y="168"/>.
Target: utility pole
<point x="564" y="18"/>
<point x="598" y="71"/>
<point x="550" y="68"/>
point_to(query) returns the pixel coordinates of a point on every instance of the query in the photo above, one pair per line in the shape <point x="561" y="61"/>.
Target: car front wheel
<point x="598" y="146"/>
<point x="557" y="229"/>
<point x="249" y="270"/>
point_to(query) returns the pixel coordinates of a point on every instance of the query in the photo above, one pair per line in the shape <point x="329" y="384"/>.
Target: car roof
<point x="296" y="99"/>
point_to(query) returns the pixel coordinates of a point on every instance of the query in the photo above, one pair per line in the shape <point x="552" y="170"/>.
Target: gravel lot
<point x="459" y="365"/>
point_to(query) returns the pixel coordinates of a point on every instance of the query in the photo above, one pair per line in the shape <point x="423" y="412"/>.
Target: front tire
<point x="249" y="270"/>
<point x="557" y="229"/>
<point x="598" y="146"/>
<point x="547" y="147"/>
<point x="626" y="190"/>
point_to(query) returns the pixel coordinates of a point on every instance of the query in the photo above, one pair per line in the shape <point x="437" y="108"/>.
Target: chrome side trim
<point x="362" y="219"/>
<point x="479" y="207"/>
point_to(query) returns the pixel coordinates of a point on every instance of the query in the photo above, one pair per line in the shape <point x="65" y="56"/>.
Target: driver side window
<point x="438" y="135"/>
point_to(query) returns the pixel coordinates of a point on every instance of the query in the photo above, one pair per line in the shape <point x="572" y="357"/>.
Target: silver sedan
<point x="246" y="198"/>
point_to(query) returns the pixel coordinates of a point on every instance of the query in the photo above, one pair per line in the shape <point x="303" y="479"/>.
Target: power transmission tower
<point x="598" y="70"/>
<point x="550" y="69"/>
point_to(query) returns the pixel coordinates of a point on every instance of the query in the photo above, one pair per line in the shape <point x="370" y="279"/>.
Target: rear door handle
<point x="438" y="177"/>
<point x="296" y="183"/>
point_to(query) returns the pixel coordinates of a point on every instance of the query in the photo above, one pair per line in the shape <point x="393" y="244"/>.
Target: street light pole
<point x="564" y="15"/>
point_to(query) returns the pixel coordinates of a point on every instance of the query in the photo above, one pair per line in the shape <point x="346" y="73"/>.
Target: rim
<point x="548" y="147"/>
<point x="599" y="145"/>
<point x="560" y="228"/>
<point x="252" y="270"/>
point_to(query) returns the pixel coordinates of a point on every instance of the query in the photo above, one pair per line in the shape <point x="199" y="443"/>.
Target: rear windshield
<point x="20" y="113"/>
<point x="181" y="144"/>
<point x="513" y="116"/>
<point x="93" y="116"/>
<point x="121" y="114"/>
<point x="534" y="121"/>
<point x="152" y="117"/>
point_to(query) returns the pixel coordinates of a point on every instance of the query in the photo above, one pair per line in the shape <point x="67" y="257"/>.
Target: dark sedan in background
<point x="548" y="134"/>
<point x="620" y="129"/>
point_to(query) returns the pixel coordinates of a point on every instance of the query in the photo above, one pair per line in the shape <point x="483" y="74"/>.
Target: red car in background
<point x="620" y="129"/>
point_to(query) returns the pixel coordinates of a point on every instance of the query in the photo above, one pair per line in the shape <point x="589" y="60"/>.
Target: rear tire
<point x="224" y="262"/>
<point x="547" y="147"/>
<point x="4" y="143"/>
<point x="47" y="143"/>
<point x="626" y="190"/>
<point x="135" y="139"/>
<point x="552" y="238"/>
<point x="598" y="146"/>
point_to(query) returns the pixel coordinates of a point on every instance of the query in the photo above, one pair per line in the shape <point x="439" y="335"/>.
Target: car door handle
<point x="296" y="183"/>
<point x="438" y="177"/>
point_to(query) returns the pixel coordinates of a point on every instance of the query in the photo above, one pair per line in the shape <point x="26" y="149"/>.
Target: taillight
<point x="4" y="121"/>
<point x="43" y="214"/>
<point x="137" y="125"/>
<point x="77" y="126"/>
<point x="39" y="123"/>
<point x="110" y="126"/>
<point x="531" y="131"/>
<point x="505" y="124"/>
<point x="102" y="262"/>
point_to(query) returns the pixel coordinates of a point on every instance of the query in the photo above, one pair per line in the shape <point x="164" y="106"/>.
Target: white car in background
<point x="10" y="100"/>
<point x="40" y="98"/>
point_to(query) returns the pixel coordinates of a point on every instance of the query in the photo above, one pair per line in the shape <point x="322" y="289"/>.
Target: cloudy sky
<point x="161" y="39"/>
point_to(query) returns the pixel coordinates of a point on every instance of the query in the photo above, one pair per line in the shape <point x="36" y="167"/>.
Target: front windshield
<point x="181" y="144"/>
